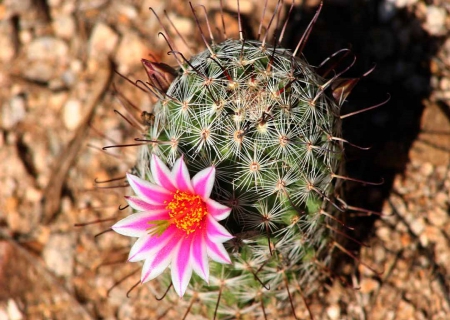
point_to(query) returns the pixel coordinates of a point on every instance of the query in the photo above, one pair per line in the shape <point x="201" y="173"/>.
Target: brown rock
<point x="368" y="285"/>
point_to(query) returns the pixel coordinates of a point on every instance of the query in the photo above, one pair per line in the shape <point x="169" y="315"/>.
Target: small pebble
<point x="438" y="216"/>
<point x="368" y="285"/>
<point x="334" y="311"/>
<point x="433" y="234"/>
<point x="426" y="169"/>
<point x="405" y="240"/>
<point x="48" y="49"/>
<point x="103" y="40"/>
<point x="14" y="311"/>
<point x="58" y="254"/>
<point x="64" y="27"/>
<point x="406" y="309"/>
<point x="32" y="194"/>
<point x="68" y="78"/>
<point x="13" y="112"/>
<point x="384" y="233"/>
<point x="42" y="234"/>
<point x="25" y="37"/>
<point x="245" y="6"/>
<point x="130" y="52"/>
<point x="184" y="25"/>
<point x="16" y="222"/>
<point x="76" y="66"/>
<point x="444" y="84"/>
<point x="417" y="226"/>
<point x="57" y="100"/>
<point x="40" y="71"/>
<point x="127" y="10"/>
<point x="435" y="20"/>
<point x="404" y="3"/>
<point x="56" y="84"/>
<point x="72" y="114"/>
<point x="442" y="199"/>
<point x="46" y="55"/>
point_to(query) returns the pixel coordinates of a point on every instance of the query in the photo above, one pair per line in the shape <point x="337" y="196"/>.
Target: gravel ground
<point x="57" y="62"/>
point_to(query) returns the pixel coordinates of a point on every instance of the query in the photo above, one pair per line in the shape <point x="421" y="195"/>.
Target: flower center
<point x="186" y="211"/>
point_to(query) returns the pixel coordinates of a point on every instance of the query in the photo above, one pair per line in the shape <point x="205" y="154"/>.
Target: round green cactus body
<point x="263" y="118"/>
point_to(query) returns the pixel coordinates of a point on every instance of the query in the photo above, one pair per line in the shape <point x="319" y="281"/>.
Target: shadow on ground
<point x="401" y="50"/>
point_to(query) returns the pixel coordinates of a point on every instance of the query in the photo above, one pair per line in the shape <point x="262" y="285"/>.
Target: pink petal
<point x="181" y="175"/>
<point x="216" y="209"/>
<point x="149" y="245"/>
<point x="215" y="231"/>
<point x="149" y="192"/>
<point x="152" y="268"/>
<point x="217" y="252"/>
<point x="136" y="224"/>
<point x="158" y="262"/>
<point x="181" y="266"/>
<point x="140" y="205"/>
<point x="203" y="182"/>
<point x="161" y="174"/>
<point x="199" y="256"/>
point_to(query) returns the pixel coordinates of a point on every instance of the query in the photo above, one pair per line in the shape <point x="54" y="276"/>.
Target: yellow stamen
<point x="186" y="211"/>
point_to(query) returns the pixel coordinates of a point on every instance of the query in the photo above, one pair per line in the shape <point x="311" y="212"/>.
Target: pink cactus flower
<point x="176" y="223"/>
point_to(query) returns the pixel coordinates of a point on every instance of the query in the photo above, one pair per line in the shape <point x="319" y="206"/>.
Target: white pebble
<point x="13" y="112"/>
<point x="25" y="37"/>
<point x="404" y="3"/>
<point x="245" y="7"/>
<point x="103" y="40"/>
<point x="334" y="311"/>
<point x="13" y="311"/>
<point x="64" y="27"/>
<point x="58" y="254"/>
<point x="438" y="217"/>
<point x="43" y="71"/>
<point x="46" y="56"/>
<point x="435" y="21"/>
<point x="417" y="226"/>
<point x="72" y="114"/>
<point x="384" y="233"/>
<point x="127" y="10"/>
<point x="444" y="84"/>
<point x="426" y="169"/>
<point x="48" y="49"/>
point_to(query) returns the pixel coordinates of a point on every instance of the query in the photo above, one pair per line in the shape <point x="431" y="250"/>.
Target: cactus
<point x="270" y="126"/>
